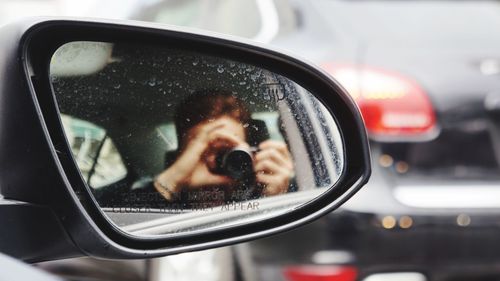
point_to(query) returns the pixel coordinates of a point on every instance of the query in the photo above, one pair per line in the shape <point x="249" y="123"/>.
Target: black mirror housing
<point x="39" y="179"/>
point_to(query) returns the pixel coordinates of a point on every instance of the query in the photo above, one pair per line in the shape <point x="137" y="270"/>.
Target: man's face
<point x="207" y="163"/>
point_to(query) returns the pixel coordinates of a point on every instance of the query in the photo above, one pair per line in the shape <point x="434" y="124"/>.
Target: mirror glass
<point x="171" y="141"/>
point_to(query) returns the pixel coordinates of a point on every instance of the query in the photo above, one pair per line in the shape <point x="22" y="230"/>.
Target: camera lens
<point x="236" y="163"/>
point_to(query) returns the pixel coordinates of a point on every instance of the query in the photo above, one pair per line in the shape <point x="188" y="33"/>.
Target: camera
<point x="236" y="163"/>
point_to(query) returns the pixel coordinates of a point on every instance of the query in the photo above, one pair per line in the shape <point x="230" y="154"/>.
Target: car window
<point x="95" y="153"/>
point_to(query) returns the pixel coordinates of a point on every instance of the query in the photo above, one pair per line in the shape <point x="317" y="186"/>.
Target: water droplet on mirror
<point x="195" y="62"/>
<point x="220" y="69"/>
<point x="117" y="86"/>
<point x="243" y="83"/>
<point x="254" y="76"/>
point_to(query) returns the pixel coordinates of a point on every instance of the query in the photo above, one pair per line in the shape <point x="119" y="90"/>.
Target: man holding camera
<point x="212" y="127"/>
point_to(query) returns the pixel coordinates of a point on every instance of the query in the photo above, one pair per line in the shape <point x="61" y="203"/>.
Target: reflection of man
<point x="210" y="123"/>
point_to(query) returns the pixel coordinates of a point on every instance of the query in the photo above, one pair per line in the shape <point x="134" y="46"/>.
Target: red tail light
<point x="320" y="273"/>
<point x="391" y="104"/>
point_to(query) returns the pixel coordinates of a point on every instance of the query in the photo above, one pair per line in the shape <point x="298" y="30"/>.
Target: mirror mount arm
<point x="39" y="235"/>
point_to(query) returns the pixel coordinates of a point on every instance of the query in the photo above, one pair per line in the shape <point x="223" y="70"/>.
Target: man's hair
<point x="205" y="105"/>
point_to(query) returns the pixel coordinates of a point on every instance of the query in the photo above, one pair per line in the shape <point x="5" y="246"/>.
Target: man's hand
<point x="191" y="167"/>
<point x="273" y="167"/>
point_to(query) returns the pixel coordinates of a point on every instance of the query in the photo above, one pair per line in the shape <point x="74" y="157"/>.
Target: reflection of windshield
<point x="192" y="130"/>
<point x="195" y="132"/>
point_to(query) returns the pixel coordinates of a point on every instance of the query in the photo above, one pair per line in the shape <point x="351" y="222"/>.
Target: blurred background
<point x="426" y="76"/>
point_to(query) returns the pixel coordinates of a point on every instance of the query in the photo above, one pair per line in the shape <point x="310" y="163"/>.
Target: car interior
<point x="118" y="117"/>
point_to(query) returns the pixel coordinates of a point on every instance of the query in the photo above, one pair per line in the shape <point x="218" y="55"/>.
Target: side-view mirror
<point x="133" y="141"/>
